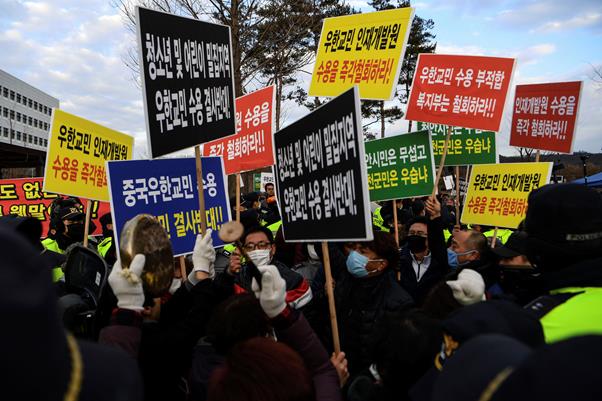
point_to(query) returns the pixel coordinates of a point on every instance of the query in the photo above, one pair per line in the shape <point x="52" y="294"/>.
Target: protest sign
<point x="24" y="197"/>
<point x="167" y="189"/>
<point x="545" y="116"/>
<point x="400" y="166"/>
<point x="461" y="91"/>
<point x="266" y="178"/>
<point x="321" y="177"/>
<point x="251" y="147"/>
<point x="448" y="181"/>
<point x="77" y="151"/>
<point x="187" y="80"/>
<point x="466" y="145"/>
<point x="497" y="193"/>
<point x="361" y="49"/>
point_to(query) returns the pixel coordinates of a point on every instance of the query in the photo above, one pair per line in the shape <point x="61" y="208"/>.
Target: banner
<point x="251" y="147"/>
<point x="466" y="146"/>
<point x="497" y="193"/>
<point x="167" y="189"/>
<point x="400" y="166"/>
<point x="545" y="116"/>
<point x="76" y="155"/>
<point x="461" y="91"/>
<point x="366" y="50"/>
<point x="321" y="182"/>
<point x="187" y="80"/>
<point x="24" y="197"/>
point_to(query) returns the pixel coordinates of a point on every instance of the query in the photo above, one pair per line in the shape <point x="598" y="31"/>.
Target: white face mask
<point x="175" y="284"/>
<point x="260" y="257"/>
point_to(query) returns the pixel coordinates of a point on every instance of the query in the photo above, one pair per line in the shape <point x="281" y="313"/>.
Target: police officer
<point x="564" y="243"/>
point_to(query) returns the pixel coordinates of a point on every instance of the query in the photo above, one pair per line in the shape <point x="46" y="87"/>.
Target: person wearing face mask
<point x="66" y="228"/>
<point x="365" y="290"/>
<point x="106" y="247"/>
<point x="424" y="257"/>
<point x="258" y="243"/>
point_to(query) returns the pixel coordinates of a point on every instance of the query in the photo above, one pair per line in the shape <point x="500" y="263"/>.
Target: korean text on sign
<point x="544" y="116"/>
<point x="466" y="146"/>
<point x="188" y="80"/>
<point x="361" y="49"/>
<point x="497" y="193"/>
<point x="24" y="197"/>
<point x="167" y="189"/>
<point x="400" y="166"/>
<point x="462" y="91"/>
<point x="77" y="152"/>
<point x="251" y="147"/>
<point x="321" y="174"/>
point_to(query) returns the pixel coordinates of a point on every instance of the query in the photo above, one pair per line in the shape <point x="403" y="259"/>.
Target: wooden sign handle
<point x="199" y="181"/>
<point x="442" y="162"/>
<point x="331" y="304"/>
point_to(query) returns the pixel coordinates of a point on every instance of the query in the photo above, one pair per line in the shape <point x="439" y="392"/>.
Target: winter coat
<point x="437" y="269"/>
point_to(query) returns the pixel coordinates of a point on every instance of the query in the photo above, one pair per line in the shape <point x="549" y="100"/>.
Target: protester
<point x="365" y="290"/>
<point x="424" y="258"/>
<point x="279" y="373"/>
<point x="405" y="345"/>
<point x="258" y="243"/>
<point x="564" y="244"/>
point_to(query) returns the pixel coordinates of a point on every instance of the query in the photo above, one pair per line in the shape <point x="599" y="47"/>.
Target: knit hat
<point x="469" y="288"/>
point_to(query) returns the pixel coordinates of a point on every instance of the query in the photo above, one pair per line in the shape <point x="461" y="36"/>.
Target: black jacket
<point x="360" y="303"/>
<point x="437" y="269"/>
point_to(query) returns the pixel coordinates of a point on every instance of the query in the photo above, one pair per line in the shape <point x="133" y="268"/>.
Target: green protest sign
<point x="400" y="166"/>
<point x="466" y="146"/>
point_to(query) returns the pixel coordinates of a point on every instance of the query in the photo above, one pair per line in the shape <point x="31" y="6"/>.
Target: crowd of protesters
<point x="443" y="312"/>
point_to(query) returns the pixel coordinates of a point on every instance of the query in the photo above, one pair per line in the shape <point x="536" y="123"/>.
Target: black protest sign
<point x="187" y="80"/>
<point x="321" y="174"/>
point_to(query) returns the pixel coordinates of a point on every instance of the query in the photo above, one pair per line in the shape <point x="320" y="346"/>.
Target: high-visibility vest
<point x="104" y="246"/>
<point x="274" y="227"/>
<point x="502" y="233"/>
<point x="378" y="220"/>
<point x="52" y="245"/>
<point x="578" y="316"/>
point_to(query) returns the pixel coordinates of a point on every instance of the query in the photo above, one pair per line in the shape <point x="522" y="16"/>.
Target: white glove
<point x="203" y="257"/>
<point x="127" y="285"/>
<point x="469" y="288"/>
<point x="272" y="295"/>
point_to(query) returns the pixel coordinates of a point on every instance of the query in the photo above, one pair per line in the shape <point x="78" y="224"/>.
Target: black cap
<point x="516" y="245"/>
<point x="29" y="227"/>
<point x="494" y="316"/>
<point x="106" y="219"/>
<point x="70" y="213"/>
<point x="564" y="214"/>
<point x="475" y="364"/>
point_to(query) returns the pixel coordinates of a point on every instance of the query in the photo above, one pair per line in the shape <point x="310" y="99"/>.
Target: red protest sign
<point x="251" y="147"/>
<point x="24" y="197"/>
<point x="461" y="91"/>
<point x="545" y="115"/>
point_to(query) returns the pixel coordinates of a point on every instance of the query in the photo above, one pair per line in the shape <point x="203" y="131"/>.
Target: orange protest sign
<point x="461" y="91"/>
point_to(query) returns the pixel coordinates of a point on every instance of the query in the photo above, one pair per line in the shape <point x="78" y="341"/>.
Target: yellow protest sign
<point x="361" y="49"/>
<point x="497" y="193"/>
<point x="76" y="155"/>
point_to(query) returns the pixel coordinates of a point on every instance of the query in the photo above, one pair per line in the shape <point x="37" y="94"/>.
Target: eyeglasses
<point x="260" y="245"/>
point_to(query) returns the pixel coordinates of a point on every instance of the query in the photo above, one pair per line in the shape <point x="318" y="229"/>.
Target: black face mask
<point x="75" y="232"/>
<point x="416" y="243"/>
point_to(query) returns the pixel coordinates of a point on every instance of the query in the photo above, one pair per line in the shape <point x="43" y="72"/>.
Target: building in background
<point x="25" y="113"/>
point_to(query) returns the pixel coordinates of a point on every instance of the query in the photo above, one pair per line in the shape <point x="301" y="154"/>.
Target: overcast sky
<point x="74" y="50"/>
